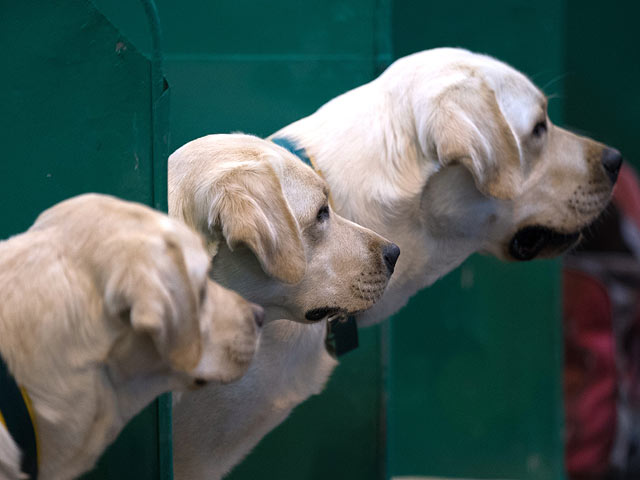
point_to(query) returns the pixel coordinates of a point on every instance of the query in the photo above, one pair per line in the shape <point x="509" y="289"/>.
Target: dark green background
<point x="465" y="381"/>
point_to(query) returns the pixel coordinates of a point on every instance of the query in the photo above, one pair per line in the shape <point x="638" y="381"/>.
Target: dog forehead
<point x="521" y="101"/>
<point x="431" y="72"/>
<point x="302" y="187"/>
<point x="522" y="104"/>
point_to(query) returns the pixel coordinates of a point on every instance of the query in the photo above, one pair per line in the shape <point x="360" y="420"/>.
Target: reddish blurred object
<point x="590" y="374"/>
<point x="602" y="343"/>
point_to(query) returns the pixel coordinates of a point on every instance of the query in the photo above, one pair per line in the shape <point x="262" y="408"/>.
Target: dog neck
<point x="137" y="374"/>
<point x="240" y="270"/>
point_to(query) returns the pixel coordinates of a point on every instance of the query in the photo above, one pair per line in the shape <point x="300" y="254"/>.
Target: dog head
<point x="271" y="231"/>
<point x="153" y="275"/>
<point x="547" y="183"/>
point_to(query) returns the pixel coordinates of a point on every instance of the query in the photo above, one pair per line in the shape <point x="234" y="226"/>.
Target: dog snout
<point x="390" y="254"/>
<point x="611" y="161"/>
<point x="258" y="314"/>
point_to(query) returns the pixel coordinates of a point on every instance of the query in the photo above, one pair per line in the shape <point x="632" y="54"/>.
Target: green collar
<point x="17" y="416"/>
<point x="299" y="152"/>
<point x="342" y="334"/>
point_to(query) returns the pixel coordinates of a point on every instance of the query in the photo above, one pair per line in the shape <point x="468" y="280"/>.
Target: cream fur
<point x="260" y="209"/>
<point x="105" y="305"/>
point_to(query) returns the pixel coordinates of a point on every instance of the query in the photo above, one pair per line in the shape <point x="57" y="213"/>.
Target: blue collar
<point x="16" y="415"/>
<point x="299" y="152"/>
<point x="342" y="335"/>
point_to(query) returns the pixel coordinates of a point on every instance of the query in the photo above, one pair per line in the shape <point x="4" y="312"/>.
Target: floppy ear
<point x="468" y="127"/>
<point x="153" y="287"/>
<point x="248" y="204"/>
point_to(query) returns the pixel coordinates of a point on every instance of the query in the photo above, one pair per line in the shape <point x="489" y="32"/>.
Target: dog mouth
<point x="317" y="314"/>
<point x="530" y="242"/>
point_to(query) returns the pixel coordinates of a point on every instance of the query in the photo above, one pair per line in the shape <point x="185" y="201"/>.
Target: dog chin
<point x="537" y="241"/>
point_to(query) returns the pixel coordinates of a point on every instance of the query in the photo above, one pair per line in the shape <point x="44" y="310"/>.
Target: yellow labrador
<point x="273" y="238"/>
<point x="449" y="153"/>
<point x="105" y="305"/>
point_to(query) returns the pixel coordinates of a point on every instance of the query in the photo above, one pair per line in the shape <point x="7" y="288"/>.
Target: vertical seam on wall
<point x="159" y="154"/>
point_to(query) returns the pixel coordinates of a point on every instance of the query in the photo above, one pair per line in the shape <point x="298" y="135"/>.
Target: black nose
<point x="611" y="161"/>
<point x="258" y="314"/>
<point x="390" y="253"/>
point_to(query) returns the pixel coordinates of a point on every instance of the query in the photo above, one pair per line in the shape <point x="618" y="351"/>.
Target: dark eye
<point x="323" y="214"/>
<point x="539" y="129"/>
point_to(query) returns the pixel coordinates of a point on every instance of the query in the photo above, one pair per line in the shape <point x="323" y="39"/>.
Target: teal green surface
<point x="76" y="109"/>
<point x="474" y="382"/>
<point x="603" y="73"/>
<point x="77" y="117"/>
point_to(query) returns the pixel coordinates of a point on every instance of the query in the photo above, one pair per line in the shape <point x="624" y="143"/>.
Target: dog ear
<point x="468" y="128"/>
<point x="248" y="204"/>
<point x="154" y="289"/>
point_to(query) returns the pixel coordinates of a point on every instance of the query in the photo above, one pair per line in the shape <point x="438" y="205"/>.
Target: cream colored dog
<point x="450" y="153"/>
<point x="274" y="239"/>
<point x="105" y="305"/>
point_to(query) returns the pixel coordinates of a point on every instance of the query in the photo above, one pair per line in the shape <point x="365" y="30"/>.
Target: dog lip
<point x="317" y="314"/>
<point x="529" y="241"/>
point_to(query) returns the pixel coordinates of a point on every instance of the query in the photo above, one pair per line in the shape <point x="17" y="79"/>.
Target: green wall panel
<point x="253" y="96"/>
<point x="528" y="35"/>
<point x="603" y="73"/>
<point x="474" y="375"/>
<point x="77" y="117"/>
<point x="474" y="382"/>
<point x="239" y="27"/>
<point x="76" y="109"/>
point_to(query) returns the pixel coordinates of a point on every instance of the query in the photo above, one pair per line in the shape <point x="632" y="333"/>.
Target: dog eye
<point x="539" y="129"/>
<point x="323" y="214"/>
